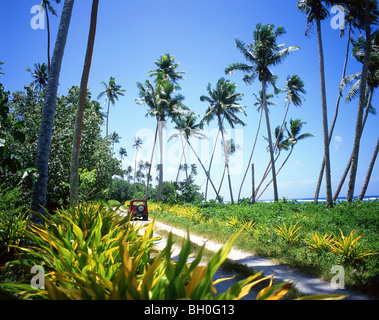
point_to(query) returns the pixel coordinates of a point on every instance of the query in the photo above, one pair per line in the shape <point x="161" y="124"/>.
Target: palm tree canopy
<point x="263" y="53"/>
<point x="187" y="125"/>
<point x="137" y="143"/>
<point x="294" y="86"/>
<point x="161" y="100"/>
<point x="46" y="4"/>
<point x="223" y="102"/>
<point x="167" y="69"/>
<point x="294" y="130"/>
<point x="259" y="102"/>
<point x="40" y="74"/>
<point x="122" y="152"/>
<point x="112" y="90"/>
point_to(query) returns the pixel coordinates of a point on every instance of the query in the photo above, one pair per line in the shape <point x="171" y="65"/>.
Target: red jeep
<point x="138" y="208"/>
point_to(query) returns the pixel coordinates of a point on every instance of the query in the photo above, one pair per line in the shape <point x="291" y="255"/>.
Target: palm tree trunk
<point x="369" y="171"/>
<point x="162" y="125"/>
<point x="74" y="175"/>
<point x="329" y="200"/>
<point x="48" y="37"/>
<point x="270" y="142"/>
<point x="210" y="162"/>
<point x="284" y="162"/>
<point x="109" y="101"/>
<point x="251" y="155"/>
<point x="222" y="179"/>
<point x="362" y="94"/>
<point x="206" y="173"/>
<point x="226" y="159"/>
<point x="39" y="190"/>
<point x="321" y="174"/>
<point x="347" y="169"/>
<point x="151" y="162"/>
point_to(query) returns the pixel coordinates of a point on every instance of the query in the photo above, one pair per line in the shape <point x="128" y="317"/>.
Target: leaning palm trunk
<point x="74" y="176"/>
<point x="270" y="142"/>
<point x="39" y="190"/>
<point x="369" y="171"/>
<point x="226" y="160"/>
<point x="210" y="162"/>
<point x="284" y="162"/>
<point x="317" y="192"/>
<point x="358" y="126"/>
<point x="329" y="200"/>
<point x="151" y="163"/>
<point x="251" y="155"/>
<point x="206" y="173"/>
<point x="347" y="169"/>
<point x="161" y="127"/>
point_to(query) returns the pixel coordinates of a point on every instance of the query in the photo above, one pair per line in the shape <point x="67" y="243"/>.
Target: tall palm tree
<point x="354" y="16"/>
<point x="38" y="199"/>
<point x="259" y="105"/>
<point x="293" y="137"/>
<point x="47" y="7"/>
<point x="263" y="53"/>
<point x="136" y="145"/>
<point x="224" y="106"/>
<point x="186" y="126"/>
<point x="316" y="11"/>
<point x="355" y="80"/>
<point x="114" y="138"/>
<point x="40" y="74"/>
<point x="163" y="102"/>
<point x="361" y="104"/>
<point x="74" y="174"/>
<point x="123" y="153"/>
<point x="112" y="91"/>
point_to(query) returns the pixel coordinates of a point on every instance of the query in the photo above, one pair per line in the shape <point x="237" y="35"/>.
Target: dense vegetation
<point x="302" y="235"/>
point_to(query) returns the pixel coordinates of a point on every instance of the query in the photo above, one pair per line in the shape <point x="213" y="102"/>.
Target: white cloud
<point x="299" y="164"/>
<point x="337" y="142"/>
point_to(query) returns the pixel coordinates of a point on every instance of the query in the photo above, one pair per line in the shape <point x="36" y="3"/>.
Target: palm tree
<point x="294" y="86"/>
<point x="38" y="199"/>
<point x="316" y="11"/>
<point x="123" y="153"/>
<point x="187" y="127"/>
<point x="162" y="103"/>
<point x="114" y="138"/>
<point x="224" y="106"/>
<point x="372" y="83"/>
<point x="292" y="139"/>
<point x="259" y="105"/>
<point x="136" y="145"/>
<point x="47" y="7"/>
<point x="355" y="20"/>
<point x="112" y="91"/>
<point x="74" y="174"/>
<point x="263" y="53"/>
<point x="361" y="104"/>
<point x="40" y="74"/>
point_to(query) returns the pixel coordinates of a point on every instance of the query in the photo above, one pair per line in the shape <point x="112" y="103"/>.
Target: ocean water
<point x="320" y="199"/>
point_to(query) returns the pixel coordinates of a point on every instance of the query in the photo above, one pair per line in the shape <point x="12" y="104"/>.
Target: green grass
<point x="219" y="221"/>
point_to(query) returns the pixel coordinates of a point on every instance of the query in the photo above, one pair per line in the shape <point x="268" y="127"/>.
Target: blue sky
<point x="131" y="35"/>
